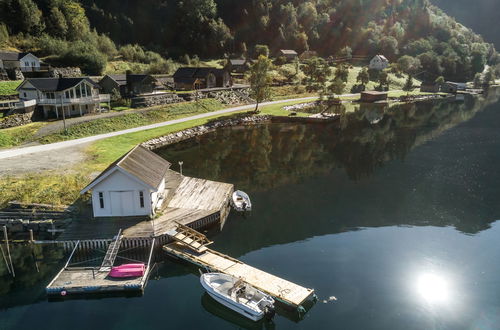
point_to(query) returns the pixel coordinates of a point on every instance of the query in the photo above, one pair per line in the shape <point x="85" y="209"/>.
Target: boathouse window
<point x="141" y="199"/>
<point x="101" y="200"/>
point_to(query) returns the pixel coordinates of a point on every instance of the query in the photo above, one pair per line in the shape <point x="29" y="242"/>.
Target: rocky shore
<point x="166" y="140"/>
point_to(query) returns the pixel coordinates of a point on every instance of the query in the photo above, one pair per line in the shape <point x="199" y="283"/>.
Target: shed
<point x="289" y="54"/>
<point x="430" y="87"/>
<point x="134" y="185"/>
<point x="373" y="96"/>
<point x="238" y="65"/>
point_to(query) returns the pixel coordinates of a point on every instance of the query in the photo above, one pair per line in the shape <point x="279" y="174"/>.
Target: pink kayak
<point x="128" y="270"/>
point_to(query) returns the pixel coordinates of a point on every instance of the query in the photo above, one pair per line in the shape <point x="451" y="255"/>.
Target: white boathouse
<point x="134" y="185"/>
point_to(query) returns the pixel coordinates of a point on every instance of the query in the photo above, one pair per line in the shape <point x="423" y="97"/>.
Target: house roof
<point x="11" y="56"/>
<point x="237" y="61"/>
<point x="141" y="163"/>
<point x="288" y="52"/>
<point x="190" y="72"/>
<point x="381" y="57"/>
<point x="56" y="84"/>
<point x="121" y="79"/>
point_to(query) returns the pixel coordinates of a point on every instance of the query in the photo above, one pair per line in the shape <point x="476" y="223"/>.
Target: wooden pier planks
<point x="283" y="290"/>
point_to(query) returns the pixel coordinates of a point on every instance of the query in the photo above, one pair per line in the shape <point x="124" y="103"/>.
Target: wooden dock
<point x="192" y="201"/>
<point x="91" y="280"/>
<point x="282" y="290"/>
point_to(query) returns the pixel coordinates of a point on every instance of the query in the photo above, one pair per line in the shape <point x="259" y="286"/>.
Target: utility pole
<point x="64" y="116"/>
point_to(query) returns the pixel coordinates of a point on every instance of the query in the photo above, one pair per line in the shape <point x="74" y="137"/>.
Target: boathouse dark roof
<point x="139" y="162"/>
<point x="56" y="84"/>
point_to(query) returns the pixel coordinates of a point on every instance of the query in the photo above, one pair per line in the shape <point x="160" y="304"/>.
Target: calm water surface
<point x="394" y="212"/>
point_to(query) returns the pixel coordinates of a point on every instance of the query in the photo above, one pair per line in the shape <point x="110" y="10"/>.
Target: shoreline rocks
<point x="169" y="139"/>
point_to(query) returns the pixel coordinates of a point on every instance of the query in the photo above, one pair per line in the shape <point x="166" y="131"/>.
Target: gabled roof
<point x="201" y="72"/>
<point x="121" y="79"/>
<point x="237" y="61"/>
<point x="288" y="52"/>
<point x="140" y="163"/>
<point x="381" y="57"/>
<point x="56" y="84"/>
<point x="11" y="56"/>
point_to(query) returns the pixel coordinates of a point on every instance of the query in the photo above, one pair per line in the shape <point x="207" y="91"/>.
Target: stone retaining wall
<point x="17" y="120"/>
<point x="67" y="72"/>
<point x="153" y="100"/>
<point x="166" y="140"/>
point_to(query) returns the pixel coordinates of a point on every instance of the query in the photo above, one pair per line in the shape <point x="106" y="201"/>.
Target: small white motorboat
<point x="238" y="296"/>
<point x="241" y="201"/>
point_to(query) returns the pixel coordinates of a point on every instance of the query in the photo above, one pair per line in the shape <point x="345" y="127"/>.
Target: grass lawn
<point x="9" y="87"/>
<point x="10" y="137"/>
<point x="112" y="124"/>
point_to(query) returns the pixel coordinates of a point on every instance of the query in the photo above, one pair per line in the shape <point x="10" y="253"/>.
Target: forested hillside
<point x="432" y="41"/>
<point x="480" y="15"/>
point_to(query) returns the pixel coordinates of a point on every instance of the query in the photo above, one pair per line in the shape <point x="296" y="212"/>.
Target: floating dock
<point x="85" y="280"/>
<point x="282" y="290"/>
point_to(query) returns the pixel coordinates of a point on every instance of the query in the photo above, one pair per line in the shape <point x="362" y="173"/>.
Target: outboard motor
<point x="269" y="312"/>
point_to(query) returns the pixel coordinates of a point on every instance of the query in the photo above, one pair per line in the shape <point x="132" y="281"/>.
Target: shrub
<point x="261" y="50"/>
<point x="87" y="57"/>
<point x="132" y="53"/>
<point x="4" y="34"/>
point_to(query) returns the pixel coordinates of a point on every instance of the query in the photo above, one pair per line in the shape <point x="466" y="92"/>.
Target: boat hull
<point x="242" y="309"/>
<point x="130" y="270"/>
<point x="241" y="201"/>
<point x="252" y="315"/>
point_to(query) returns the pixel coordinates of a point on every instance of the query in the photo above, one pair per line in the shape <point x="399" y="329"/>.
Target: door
<point x="122" y="203"/>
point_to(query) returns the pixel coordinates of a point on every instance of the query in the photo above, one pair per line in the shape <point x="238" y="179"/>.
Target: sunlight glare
<point x="433" y="288"/>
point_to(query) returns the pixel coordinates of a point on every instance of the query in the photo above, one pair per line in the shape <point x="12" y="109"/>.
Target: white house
<point x="74" y="96"/>
<point x="134" y="185"/>
<point x="26" y="62"/>
<point x="379" y="62"/>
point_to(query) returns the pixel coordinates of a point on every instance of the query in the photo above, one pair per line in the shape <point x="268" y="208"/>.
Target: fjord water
<point x="393" y="211"/>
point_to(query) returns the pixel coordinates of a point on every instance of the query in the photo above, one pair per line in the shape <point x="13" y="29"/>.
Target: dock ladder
<point x="111" y="253"/>
<point x="190" y="237"/>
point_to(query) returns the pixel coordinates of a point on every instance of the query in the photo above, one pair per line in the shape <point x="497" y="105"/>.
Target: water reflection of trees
<point x="33" y="266"/>
<point x="266" y="156"/>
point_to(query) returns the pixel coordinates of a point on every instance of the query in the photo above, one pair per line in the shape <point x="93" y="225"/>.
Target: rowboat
<point x="239" y="296"/>
<point x="241" y="201"/>
<point x="127" y="270"/>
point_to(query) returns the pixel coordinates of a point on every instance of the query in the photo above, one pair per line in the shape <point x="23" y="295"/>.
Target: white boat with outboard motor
<point x="241" y="201"/>
<point x="239" y="296"/>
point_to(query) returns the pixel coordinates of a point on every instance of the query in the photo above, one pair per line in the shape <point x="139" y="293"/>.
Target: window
<point x="101" y="200"/>
<point x="78" y="92"/>
<point x="24" y="94"/>
<point x="66" y="94"/>
<point x="141" y="198"/>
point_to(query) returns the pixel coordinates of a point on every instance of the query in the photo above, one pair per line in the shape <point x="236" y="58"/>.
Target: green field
<point x="130" y="120"/>
<point x="9" y="87"/>
<point x="10" y="137"/>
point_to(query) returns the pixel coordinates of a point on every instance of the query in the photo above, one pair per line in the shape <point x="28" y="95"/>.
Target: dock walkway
<point x="282" y="290"/>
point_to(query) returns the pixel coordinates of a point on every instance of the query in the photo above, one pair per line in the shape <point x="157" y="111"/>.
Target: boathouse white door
<point x="122" y="203"/>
